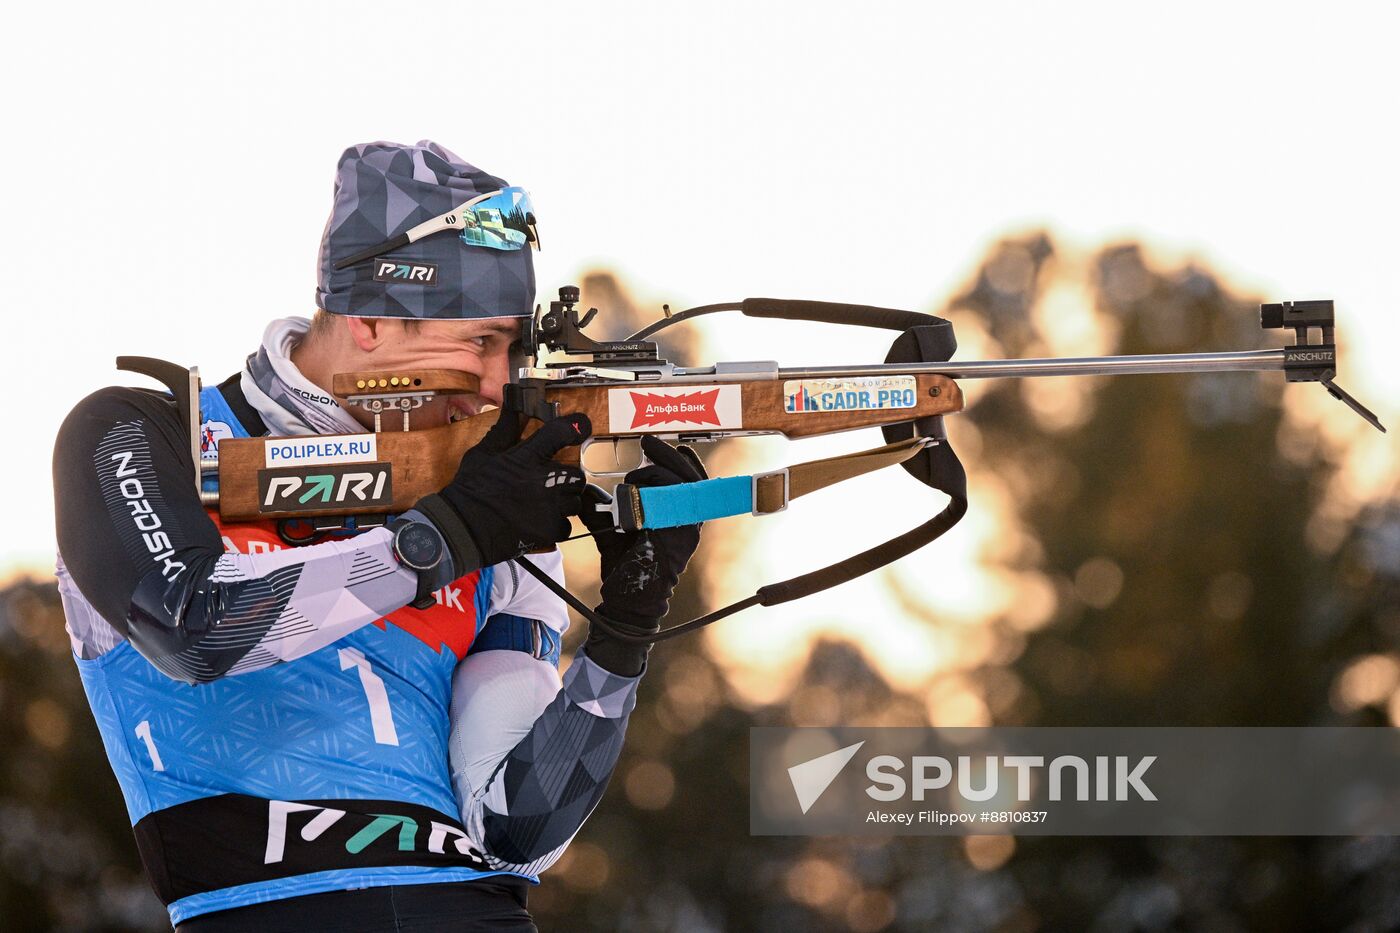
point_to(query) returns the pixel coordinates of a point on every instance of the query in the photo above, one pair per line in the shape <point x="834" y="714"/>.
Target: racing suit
<point x="278" y="717"/>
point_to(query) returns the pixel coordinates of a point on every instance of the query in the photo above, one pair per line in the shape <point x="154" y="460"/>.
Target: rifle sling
<point x="945" y="473"/>
<point x="759" y="494"/>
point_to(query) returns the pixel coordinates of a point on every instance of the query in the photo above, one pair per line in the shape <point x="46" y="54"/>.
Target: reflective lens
<point x="503" y="219"/>
<point x="498" y="221"/>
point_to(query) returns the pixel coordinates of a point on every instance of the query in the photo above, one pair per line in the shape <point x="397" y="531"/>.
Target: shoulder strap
<point x="232" y="391"/>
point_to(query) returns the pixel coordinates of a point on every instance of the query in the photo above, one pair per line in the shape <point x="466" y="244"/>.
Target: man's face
<point x="480" y="347"/>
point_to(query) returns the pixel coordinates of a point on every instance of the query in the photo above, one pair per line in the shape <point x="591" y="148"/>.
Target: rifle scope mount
<point x="561" y="330"/>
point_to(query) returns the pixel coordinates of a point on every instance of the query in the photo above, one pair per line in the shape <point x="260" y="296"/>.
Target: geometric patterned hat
<point x="383" y="189"/>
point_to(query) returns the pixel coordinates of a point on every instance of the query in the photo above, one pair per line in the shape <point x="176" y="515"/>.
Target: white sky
<point x="168" y="167"/>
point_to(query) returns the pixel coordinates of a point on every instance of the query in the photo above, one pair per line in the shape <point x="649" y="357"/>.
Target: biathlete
<point x="299" y="747"/>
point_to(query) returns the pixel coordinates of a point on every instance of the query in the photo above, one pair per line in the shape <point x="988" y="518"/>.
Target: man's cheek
<point x="495" y="374"/>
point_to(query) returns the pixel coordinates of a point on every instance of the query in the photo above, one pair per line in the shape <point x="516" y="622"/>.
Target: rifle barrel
<point x="1237" y="361"/>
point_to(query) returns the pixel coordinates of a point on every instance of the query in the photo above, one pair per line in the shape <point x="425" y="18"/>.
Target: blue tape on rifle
<point x="692" y="503"/>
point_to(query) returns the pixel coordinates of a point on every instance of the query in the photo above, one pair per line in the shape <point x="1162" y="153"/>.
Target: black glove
<point x="509" y="497"/>
<point x="641" y="568"/>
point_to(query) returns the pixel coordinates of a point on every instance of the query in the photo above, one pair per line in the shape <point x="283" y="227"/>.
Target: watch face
<point x="418" y="546"/>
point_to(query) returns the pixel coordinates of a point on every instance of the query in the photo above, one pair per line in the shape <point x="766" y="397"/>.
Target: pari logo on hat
<point x="393" y="271"/>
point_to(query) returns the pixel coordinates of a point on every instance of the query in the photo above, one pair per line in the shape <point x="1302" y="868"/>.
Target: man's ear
<point x="365" y="332"/>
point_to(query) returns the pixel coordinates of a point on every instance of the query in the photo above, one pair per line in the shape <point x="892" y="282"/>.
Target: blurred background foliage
<point x="1185" y="552"/>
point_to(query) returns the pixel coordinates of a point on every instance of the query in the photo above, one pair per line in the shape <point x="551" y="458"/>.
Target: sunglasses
<point x="502" y="219"/>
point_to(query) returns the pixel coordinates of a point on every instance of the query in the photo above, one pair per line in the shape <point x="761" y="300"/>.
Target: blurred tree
<point x="67" y="856"/>
<point x="1190" y="588"/>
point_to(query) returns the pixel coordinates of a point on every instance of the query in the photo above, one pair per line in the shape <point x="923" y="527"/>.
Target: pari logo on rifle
<point x="325" y="488"/>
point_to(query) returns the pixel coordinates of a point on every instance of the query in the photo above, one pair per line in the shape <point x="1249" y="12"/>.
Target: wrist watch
<point x="418" y="546"/>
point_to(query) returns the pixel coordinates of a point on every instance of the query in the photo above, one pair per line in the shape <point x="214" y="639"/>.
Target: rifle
<point x="312" y="486"/>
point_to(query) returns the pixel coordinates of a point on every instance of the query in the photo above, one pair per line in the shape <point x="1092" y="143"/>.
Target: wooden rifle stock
<point x="415" y="463"/>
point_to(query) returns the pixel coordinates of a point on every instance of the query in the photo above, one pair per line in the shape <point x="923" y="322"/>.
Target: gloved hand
<point x="641" y="568"/>
<point x="508" y="496"/>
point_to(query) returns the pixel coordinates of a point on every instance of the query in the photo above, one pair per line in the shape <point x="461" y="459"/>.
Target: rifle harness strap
<point x="944" y="472"/>
<point x="759" y="494"/>
<point x="232" y="391"/>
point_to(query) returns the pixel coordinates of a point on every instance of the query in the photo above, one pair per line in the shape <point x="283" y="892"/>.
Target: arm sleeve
<point x="521" y="614"/>
<point x="515" y="593"/>
<point x="144" y="555"/>
<point x="530" y="760"/>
